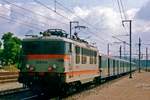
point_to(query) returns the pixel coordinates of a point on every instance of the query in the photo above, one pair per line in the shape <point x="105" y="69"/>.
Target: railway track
<point x="26" y="94"/>
<point x="17" y="94"/>
<point x="23" y="94"/>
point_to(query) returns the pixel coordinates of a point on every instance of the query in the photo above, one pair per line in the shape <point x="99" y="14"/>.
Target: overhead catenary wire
<point x="120" y="11"/>
<point x="85" y="21"/>
<point x="122" y="15"/>
<point x="21" y="14"/>
<point x="82" y="20"/>
<point x="41" y="22"/>
<point x="55" y="11"/>
<point x="123" y="10"/>
<point x="49" y="18"/>
<point x="113" y="2"/>
<point x="89" y="24"/>
<point x="22" y="23"/>
<point x="27" y="9"/>
<point x="52" y="10"/>
<point x="29" y="22"/>
<point x="97" y="36"/>
<point x="63" y="15"/>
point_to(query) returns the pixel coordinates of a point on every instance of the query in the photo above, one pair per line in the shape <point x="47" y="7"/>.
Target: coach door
<point x="113" y="67"/>
<point x="71" y="61"/>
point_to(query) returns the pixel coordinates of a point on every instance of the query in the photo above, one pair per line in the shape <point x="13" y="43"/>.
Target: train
<point x="53" y="63"/>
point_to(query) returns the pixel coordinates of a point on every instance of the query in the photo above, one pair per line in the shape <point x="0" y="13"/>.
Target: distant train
<point x="54" y="63"/>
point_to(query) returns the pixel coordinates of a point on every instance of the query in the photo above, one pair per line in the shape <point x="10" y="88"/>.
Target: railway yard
<point x="76" y="50"/>
<point x="123" y="88"/>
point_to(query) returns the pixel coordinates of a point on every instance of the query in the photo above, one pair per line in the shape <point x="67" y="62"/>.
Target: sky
<point x="102" y="18"/>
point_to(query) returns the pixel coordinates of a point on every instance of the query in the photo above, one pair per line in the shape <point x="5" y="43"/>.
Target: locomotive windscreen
<point x="45" y="47"/>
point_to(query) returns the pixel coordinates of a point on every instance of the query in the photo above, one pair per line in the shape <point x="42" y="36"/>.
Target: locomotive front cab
<point x="45" y="56"/>
<point x="43" y="62"/>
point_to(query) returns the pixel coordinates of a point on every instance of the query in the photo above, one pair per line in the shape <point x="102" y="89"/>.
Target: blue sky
<point x="102" y="14"/>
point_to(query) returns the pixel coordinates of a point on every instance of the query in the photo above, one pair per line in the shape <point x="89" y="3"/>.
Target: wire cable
<point x="123" y="10"/>
<point x="120" y="11"/>
<point x="52" y="10"/>
<point x="1" y="16"/>
<point x="82" y="20"/>
<point x="29" y="18"/>
<point x="62" y="15"/>
<point x="78" y="16"/>
<point x="33" y="12"/>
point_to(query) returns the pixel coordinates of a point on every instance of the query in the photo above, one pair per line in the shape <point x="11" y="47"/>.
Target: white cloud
<point x="131" y="13"/>
<point x="103" y="18"/>
<point x="5" y="9"/>
<point x="81" y="12"/>
<point x="106" y="21"/>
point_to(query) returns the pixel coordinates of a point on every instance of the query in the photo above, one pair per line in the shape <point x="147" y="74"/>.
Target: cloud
<point x="104" y="21"/>
<point x="131" y="13"/>
<point x="142" y="22"/>
<point x="102" y="17"/>
<point x="5" y="9"/>
<point x="21" y="21"/>
<point x="143" y="13"/>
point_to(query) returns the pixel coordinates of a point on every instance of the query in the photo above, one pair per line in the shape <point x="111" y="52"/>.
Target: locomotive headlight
<point x="54" y="66"/>
<point x="31" y="68"/>
<point x="27" y="66"/>
<point x="50" y="68"/>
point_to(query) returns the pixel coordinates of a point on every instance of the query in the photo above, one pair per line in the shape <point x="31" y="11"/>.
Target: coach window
<point x="91" y="57"/>
<point x="77" y="54"/>
<point x="84" y="58"/>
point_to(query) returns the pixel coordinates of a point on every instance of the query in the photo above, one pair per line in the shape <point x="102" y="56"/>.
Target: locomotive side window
<point x="90" y="54"/>
<point x="93" y="57"/>
<point x="77" y="51"/>
<point x="91" y="60"/>
<point x="84" y="58"/>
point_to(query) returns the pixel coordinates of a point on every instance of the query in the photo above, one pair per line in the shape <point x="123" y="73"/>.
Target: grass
<point x="11" y="68"/>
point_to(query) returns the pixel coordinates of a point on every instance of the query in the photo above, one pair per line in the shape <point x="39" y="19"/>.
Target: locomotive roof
<point x="58" y="38"/>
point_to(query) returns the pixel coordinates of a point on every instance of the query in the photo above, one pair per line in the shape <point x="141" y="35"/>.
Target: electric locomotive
<point x="53" y="63"/>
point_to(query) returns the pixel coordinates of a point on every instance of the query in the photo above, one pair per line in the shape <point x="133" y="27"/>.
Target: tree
<point x="0" y="44"/>
<point x="11" y="49"/>
<point x="1" y="52"/>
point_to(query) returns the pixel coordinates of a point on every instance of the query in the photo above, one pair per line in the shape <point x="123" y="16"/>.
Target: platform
<point x="10" y="86"/>
<point x="136" y="88"/>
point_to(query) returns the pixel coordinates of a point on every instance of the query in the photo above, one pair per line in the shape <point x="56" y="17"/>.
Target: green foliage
<point x="0" y="44"/>
<point x="11" y="50"/>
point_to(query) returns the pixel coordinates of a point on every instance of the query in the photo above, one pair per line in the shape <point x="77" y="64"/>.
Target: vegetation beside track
<point x="11" y="68"/>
